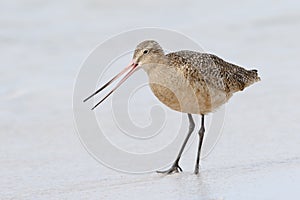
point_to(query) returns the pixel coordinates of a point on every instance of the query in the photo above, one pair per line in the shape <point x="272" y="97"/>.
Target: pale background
<point x="42" y="47"/>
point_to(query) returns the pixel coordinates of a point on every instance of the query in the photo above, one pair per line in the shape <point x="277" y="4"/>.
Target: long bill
<point x="132" y="68"/>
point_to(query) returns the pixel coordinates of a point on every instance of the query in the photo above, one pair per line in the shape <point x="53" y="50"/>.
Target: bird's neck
<point x="156" y="64"/>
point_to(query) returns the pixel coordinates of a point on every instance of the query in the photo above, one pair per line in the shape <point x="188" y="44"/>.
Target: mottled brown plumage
<point x="217" y="73"/>
<point x="189" y="81"/>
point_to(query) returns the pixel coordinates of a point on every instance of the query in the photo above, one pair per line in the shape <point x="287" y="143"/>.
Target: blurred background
<point x="43" y="44"/>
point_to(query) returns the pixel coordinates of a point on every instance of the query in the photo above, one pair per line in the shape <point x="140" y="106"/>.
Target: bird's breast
<point x="175" y="90"/>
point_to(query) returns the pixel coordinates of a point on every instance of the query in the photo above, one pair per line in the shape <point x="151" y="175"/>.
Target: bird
<point x="186" y="81"/>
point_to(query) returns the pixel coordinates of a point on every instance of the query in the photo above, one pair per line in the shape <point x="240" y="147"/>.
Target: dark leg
<point x="175" y="167"/>
<point x="201" y="135"/>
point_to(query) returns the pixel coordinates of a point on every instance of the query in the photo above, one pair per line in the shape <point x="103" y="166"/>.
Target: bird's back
<point x="216" y="72"/>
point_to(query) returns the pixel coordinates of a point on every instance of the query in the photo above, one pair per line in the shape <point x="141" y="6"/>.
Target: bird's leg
<point x="201" y="135"/>
<point x="175" y="167"/>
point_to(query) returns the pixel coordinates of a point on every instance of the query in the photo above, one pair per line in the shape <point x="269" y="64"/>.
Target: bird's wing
<point x="216" y="72"/>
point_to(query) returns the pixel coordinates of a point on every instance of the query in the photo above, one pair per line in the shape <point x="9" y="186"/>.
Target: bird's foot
<point x="174" y="169"/>
<point x="196" y="170"/>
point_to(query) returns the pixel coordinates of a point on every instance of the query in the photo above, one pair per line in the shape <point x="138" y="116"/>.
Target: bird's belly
<point x="189" y="99"/>
<point x="186" y="101"/>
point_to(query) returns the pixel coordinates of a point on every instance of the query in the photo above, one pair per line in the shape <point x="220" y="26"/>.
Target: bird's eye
<point x="145" y="51"/>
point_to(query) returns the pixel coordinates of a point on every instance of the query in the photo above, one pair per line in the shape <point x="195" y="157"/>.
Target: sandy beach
<point x="43" y="45"/>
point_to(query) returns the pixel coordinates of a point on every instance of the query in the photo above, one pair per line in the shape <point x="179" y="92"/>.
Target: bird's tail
<point x="255" y="75"/>
<point x="252" y="77"/>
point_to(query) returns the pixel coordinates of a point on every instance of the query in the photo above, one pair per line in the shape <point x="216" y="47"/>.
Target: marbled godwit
<point x="188" y="82"/>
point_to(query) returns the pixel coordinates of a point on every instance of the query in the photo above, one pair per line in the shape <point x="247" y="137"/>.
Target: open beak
<point x="131" y="68"/>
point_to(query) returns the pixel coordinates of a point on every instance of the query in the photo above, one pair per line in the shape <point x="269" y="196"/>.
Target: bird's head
<point x="145" y="54"/>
